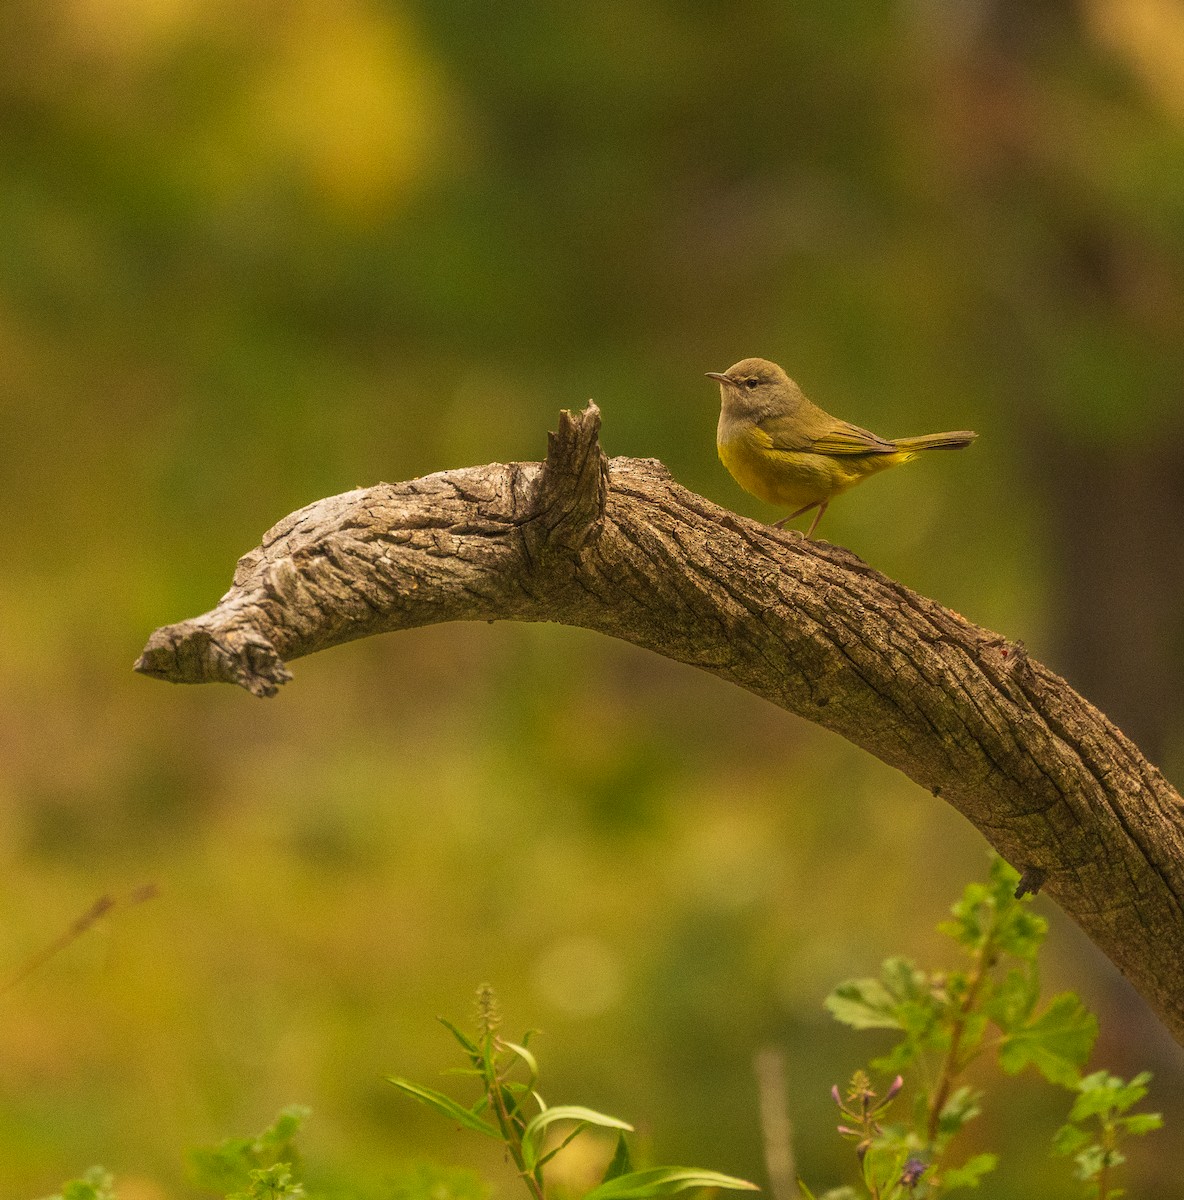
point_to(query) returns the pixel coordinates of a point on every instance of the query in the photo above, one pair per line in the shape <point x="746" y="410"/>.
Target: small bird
<point x="787" y="451"/>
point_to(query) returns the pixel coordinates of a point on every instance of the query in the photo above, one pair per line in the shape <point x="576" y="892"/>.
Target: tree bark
<point x="617" y="546"/>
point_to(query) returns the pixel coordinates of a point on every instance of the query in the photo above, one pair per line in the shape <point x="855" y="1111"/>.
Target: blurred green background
<point x="256" y="251"/>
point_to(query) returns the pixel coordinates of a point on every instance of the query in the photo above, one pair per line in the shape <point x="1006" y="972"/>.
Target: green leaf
<point x="898" y="1059"/>
<point x="271" y="1183"/>
<point x="970" y="1173"/>
<point x="962" y="1106"/>
<point x="882" y="1164"/>
<point x="487" y="1055"/>
<point x="572" y="1112"/>
<point x="621" y="1163"/>
<point x="1012" y="1000"/>
<point x="902" y="998"/>
<point x="228" y="1166"/>
<point x="1139" y="1123"/>
<point x="1003" y="880"/>
<point x="1102" y="1092"/>
<point x="93" y="1184"/>
<point x="445" y="1105"/>
<point x="277" y="1137"/>
<point x="467" y="1044"/>
<point x="908" y="985"/>
<point x="665" y="1181"/>
<point x="529" y="1059"/>
<point x="1133" y="1092"/>
<point x="1057" y="1042"/>
<point x="971" y="914"/>
<point x="1020" y="932"/>
<point x="1068" y="1140"/>
<point x="990" y="912"/>
<point x="974" y="1025"/>
<point x="511" y="1096"/>
<point x="1095" y="1095"/>
<point x="224" y="1167"/>
<point x="863" y="1004"/>
<point x="1091" y="1160"/>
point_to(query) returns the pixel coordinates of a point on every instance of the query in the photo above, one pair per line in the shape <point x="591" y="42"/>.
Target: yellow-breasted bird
<point x="787" y="451"/>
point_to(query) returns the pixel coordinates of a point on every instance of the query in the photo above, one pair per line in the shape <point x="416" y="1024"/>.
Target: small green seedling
<point x="511" y="1110"/>
<point x="1098" y="1125"/>
<point x="266" y="1167"/>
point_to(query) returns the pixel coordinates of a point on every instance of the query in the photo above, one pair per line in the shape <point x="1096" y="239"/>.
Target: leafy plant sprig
<point x="1102" y="1100"/>
<point x="96" y="1183"/>
<point x="264" y="1167"/>
<point x="989" y="1007"/>
<point x="511" y="1110"/>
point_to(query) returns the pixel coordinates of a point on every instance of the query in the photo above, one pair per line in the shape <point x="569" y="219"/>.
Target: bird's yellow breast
<point x="794" y="478"/>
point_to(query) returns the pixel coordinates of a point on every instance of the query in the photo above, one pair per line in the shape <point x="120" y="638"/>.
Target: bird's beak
<point x="720" y="376"/>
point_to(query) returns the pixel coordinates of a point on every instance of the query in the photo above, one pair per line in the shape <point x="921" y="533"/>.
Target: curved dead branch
<point x="617" y="546"/>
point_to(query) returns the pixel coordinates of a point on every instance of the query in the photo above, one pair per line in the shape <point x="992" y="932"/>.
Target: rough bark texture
<point x="617" y="546"/>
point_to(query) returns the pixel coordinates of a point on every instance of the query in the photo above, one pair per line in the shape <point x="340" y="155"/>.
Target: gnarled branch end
<point x="190" y="652"/>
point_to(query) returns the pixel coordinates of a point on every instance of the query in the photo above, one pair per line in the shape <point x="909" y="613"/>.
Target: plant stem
<point x="1104" y="1171"/>
<point x="950" y="1067"/>
<point x="873" y="1189"/>
<point x="869" y="1133"/>
<point x="493" y="1089"/>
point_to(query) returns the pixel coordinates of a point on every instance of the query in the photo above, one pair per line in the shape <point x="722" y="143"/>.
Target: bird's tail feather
<point x="938" y="441"/>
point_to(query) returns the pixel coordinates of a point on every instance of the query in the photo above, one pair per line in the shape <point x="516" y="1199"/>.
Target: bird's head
<point x="753" y="387"/>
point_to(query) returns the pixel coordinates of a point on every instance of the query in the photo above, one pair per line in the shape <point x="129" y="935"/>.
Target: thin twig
<point x="99" y="909"/>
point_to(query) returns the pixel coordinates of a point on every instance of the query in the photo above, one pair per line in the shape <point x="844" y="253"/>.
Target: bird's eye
<point x="750" y="383"/>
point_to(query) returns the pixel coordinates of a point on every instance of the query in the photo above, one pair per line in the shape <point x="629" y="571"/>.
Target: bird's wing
<point x="825" y="436"/>
<point x="844" y="438"/>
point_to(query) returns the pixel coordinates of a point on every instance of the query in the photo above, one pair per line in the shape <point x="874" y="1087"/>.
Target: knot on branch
<point x="572" y="486"/>
<point x="188" y="653"/>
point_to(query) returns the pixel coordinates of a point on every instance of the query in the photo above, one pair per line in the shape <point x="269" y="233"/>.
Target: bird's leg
<point x="804" y="509"/>
<point x="817" y="518"/>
